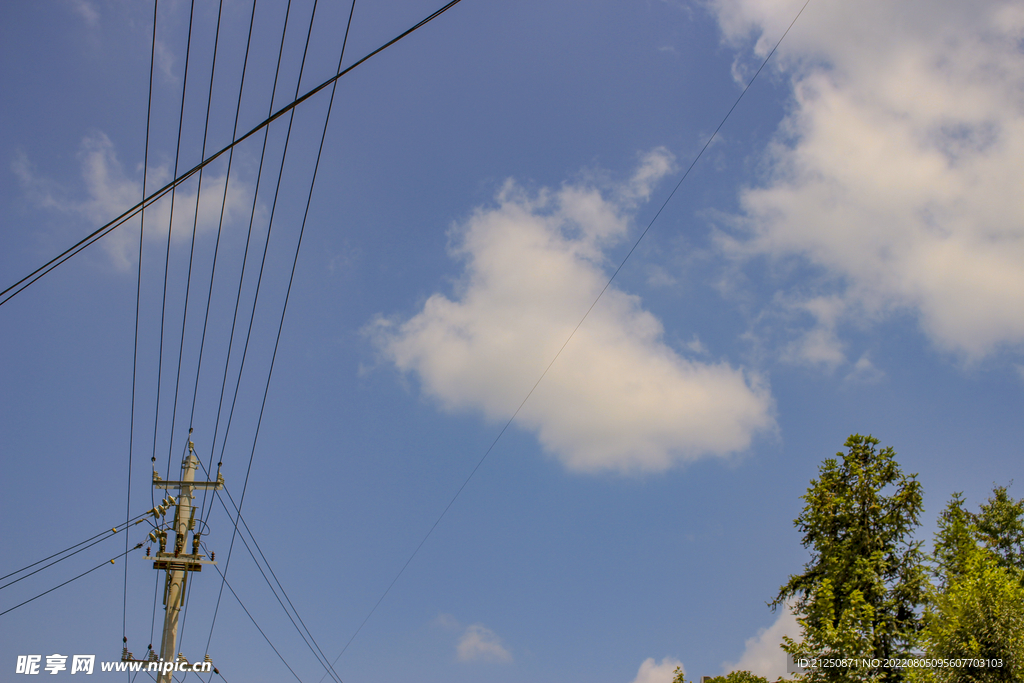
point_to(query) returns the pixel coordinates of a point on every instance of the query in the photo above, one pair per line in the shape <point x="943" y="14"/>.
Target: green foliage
<point x="831" y="633"/>
<point x="979" y="614"/>
<point x="738" y="677"/>
<point x="998" y="526"/>
<point x="860" y="591"/>
<point x="734" y="677"/>
<point x="977" y="611"/>
<point x="955" y="540"/>
<point x="1001" y="528"/>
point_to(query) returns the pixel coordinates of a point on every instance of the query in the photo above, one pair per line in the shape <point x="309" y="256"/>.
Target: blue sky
<point x="847" y="256"/>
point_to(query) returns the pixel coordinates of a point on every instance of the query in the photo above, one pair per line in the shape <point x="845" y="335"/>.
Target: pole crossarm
<point x="185" y="563"/>
<point x="159" y="483"/>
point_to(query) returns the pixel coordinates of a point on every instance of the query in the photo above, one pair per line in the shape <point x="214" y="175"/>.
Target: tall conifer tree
<point x="859" y="594"/>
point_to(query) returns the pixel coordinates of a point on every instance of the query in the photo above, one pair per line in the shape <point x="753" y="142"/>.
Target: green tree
<point x="860" y="592"/>
<point x="977" y="610"/>
<point x="734" y="677"/>
<point x="737" y="677"/>
<point x="954" y="541"/>
<point x="1000" y="524"/>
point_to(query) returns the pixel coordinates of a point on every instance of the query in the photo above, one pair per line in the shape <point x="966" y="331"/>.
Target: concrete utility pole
<point x="176" y="562"/>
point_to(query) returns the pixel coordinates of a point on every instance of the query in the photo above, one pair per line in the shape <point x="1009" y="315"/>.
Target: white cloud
<point x="87" y="11"/>
<point x="864" y="372"/>
<point x="819" y="345"/>
<point x="41" y="191"/>
<point x="654" y="672"/>
<point x="897" y="171"/>
<point x="164" y="59"/>
<point x="479" y="643"/>
<point x="110" y="192"/>
<point x="696" y="346"/>
<point x="618" y="398"/>
<point x="762" y="655"/>
<point x="447" y="622"/>
<point x="659" y="277"/>
<point x="654" y="166"/>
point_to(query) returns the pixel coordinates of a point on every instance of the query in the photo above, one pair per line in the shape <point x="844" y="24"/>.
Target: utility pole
<point x="177" y="562"/>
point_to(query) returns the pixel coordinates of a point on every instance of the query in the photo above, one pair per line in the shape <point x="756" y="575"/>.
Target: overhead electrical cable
<point x="192" y="253"/>
<point x="152" y="623"/>
<point x="245" y="260"/>
<point x="106" y="533"/>
<point x="259" y="176"/>
<point x="188" y="280"/>
<point x="302" y="630"/>
<point x="102" y="564"/>
<point x="329" y="668"/>
<point x="263" y="260"/>
<point x="195" y="225"/>
<point x="253" y="620"/>
<point x="490" y="448"/>
<point x="322" y="655"/>
<point x="259" y="280"/>
<point x="170" y="229"/>
<point x="216" y="247"/>
<point x="138" y="298"/>
<point x="241" y="281"/>
<point x="19" y="286"/>
<point x="245" y="347"/>
<point x="47" y="566"/>
<point x="163" y="308"/>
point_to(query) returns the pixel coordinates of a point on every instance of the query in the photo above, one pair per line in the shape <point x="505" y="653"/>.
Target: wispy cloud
<point x="762" y="654"/>
<point x="818" y="345"/>
<point x="479" y="643"/>
<point x="658" y="672"/>
<point x="87" y="11"/>
<point x="110" y="191"/>
<point x="164" y="60"/>
<point x="864" y="372"/>
<point x="476" y="642"/>
<point x="619" y="397"/>
<point x="897" y="173"/>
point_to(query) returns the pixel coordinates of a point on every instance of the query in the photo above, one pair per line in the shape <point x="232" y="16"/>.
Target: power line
<point x="242" y="605"/>
<point x="106" y="533"/>
<point x="13" y="290"/>
<point x="167" y="259"/>
<point x="111" y="561"/>
<point x="252" y="318"/>
<point x="46" y="566"/>
<point x="138" y="300"/>
<point x="195" y="224"/>
<point x="248" y="335"/>
<point x="325" y="662"/>
<point x="216" y="251"/>
<point x="191" y="257"/>
<point x="245" y="259"/>
<point x="259" y="176"/>
<point x="216" y="247"/>
<point x="329" y="666"/>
